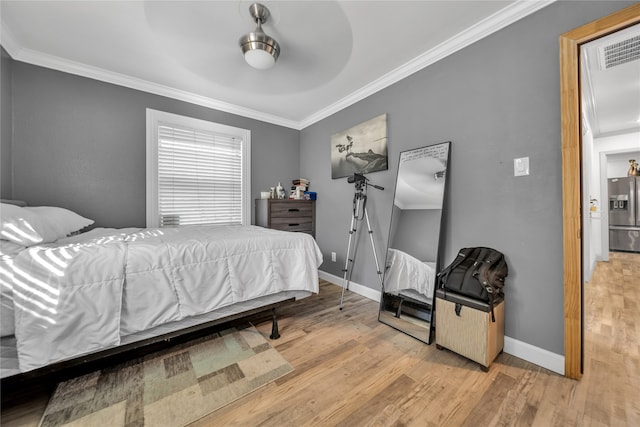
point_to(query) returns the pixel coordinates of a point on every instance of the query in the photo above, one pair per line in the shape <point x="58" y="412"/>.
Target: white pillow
<point x="39" y="224"/>
<point x="19" y="226"/>
<point x="57" y="223"/>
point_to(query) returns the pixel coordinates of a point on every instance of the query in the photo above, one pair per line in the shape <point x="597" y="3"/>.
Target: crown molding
<point x="83" y="70"/>
<point x="632" y="129"/>
<point x="7" y="41"/>
<point x="504" y="17"/>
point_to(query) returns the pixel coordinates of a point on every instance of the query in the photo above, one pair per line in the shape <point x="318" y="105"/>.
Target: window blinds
<point x="199" y="177"/>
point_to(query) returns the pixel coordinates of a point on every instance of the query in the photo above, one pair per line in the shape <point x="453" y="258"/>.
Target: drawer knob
<point x="294" y="210"/>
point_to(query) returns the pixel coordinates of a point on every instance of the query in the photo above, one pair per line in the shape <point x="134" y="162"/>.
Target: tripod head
<point x="361" y="182"/>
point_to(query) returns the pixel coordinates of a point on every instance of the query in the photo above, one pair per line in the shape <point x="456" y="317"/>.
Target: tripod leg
<point x="348" y="265"/>
<point x="373" y="246"/>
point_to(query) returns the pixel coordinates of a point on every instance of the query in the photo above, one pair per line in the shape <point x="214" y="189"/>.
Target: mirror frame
<point x="417" y="318"/>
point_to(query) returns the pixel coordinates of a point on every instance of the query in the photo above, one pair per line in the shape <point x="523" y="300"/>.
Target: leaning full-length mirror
<point x="413" y="252"/>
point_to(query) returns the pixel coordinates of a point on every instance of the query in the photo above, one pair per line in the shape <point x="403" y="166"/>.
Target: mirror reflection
<point x="413" y="253"/>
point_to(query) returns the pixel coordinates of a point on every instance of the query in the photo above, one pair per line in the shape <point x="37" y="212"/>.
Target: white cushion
<point x="39" y="224"/>
<point x="19" y="225"/>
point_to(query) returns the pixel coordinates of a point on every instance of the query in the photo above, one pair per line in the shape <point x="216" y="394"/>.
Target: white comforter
<point x="404" y="272"/>
<point x="84" y="293"/>
<point x="8" y="251"/>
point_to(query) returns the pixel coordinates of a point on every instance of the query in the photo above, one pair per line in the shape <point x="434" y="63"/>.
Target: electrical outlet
<point x="333" y="256"/>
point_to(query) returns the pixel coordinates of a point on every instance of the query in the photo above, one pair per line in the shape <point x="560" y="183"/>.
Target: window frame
<point x="154" y="118"/>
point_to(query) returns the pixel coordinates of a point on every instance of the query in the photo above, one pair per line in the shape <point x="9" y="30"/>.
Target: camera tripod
<point x="359" y="214"/>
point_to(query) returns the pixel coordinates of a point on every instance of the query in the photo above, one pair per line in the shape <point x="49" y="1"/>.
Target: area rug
<point x="172" y="387"/>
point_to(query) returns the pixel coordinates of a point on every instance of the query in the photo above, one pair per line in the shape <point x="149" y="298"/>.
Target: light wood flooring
<point x="351" y="370"/>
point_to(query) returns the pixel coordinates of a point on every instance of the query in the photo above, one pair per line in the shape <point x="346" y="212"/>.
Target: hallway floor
<point x="612" y="340"/>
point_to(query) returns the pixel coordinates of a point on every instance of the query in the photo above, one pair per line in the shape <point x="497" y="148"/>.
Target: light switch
<point x="521" y="166"/>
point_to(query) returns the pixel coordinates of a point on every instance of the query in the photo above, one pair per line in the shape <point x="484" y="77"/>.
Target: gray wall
<point x="79" y="143"/>
<point x="5" y="126"/>
<point x="496" y="100"/>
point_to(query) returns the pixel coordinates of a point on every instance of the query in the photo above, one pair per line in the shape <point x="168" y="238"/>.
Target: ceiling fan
<point x="260" y="50"/>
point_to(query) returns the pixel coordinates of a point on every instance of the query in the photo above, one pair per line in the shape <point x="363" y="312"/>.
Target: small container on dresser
<point x="287" y="215"/>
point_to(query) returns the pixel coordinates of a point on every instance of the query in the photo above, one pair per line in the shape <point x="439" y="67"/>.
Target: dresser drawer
<point x="291" y="210"/>
<point x="292" y="224"/>
<point x="287" y="215"/>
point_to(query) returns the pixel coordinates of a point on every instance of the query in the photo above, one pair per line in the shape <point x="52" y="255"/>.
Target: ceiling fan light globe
<point x="259" y="59"/>
<point x="259" y="50"/>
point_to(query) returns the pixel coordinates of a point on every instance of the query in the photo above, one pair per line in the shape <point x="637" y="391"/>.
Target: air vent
<point x="620" y="52"/>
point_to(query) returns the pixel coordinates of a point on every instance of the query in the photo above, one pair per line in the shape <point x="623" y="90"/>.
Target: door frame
<point x="570" y="94"/>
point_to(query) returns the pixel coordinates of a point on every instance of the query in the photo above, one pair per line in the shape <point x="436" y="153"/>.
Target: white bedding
<point x="85" y="293"/>
<point x="406" y="273"/>
<point x="8" y="251"/>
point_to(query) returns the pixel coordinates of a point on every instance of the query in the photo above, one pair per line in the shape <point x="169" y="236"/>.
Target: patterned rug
<point x="172" y="387"/>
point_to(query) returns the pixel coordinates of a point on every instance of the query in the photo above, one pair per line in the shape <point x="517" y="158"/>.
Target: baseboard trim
<point x="359" y="289"/>
<point x="536" y="355"/>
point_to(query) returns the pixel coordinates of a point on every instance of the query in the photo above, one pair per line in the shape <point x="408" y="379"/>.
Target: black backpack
<point x="477" y="273"/>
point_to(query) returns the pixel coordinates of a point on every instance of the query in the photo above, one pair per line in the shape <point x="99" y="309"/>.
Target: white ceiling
<point x="334" y="53"/>
<point x="611" y="96"/>
<point x="417" y="186"/>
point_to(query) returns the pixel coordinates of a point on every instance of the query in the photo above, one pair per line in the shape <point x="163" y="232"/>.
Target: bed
<point x="105" y="288"/>
<point x="407" y="276"/>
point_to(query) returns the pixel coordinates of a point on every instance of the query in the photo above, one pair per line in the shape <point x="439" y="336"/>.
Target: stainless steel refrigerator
<point x="624" y="214"/>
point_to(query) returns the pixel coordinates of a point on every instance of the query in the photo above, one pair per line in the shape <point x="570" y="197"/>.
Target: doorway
<point x="571" y="174"/>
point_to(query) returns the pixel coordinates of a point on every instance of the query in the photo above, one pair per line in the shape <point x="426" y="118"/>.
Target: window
<point x="198" y="172"/>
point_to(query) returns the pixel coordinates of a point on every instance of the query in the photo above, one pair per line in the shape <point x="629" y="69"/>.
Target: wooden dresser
<point x="287" y="215"/>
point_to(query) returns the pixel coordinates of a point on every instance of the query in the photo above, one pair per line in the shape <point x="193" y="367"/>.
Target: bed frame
<point x="14" y="387"/>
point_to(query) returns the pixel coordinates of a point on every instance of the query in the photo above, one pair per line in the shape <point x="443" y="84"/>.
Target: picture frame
<point x="360" y="149"/>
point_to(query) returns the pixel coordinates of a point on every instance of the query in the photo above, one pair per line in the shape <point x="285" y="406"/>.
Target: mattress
<point x="408" y="275"/>
<point x="88" y="292"/>
<point x="8" y="252"/>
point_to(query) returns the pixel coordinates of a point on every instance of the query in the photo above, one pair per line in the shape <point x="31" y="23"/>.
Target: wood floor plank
<point x="351" y="370"/>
